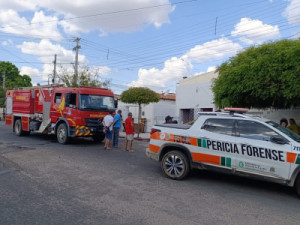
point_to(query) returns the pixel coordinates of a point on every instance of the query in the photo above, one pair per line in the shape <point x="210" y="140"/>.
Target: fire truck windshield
<point x="95" y="102"/>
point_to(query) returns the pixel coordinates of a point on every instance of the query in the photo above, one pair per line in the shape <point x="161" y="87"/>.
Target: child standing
<point x="129" y="127"/>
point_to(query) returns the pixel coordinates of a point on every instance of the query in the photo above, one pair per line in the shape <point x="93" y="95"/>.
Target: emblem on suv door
<point x="241" y="164"/>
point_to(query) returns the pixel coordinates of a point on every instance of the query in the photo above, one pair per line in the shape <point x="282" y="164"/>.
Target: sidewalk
<point x="143" y="136"/>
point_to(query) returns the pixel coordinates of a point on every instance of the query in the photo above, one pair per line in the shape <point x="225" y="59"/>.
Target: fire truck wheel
<point x="98" y="138"/>
<point x="175" y="165"/>
<point x="18" y="128"/>
<point x="62" y="134"/>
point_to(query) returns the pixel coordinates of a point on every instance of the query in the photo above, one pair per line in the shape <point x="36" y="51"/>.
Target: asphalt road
<point x="43" y="182"/>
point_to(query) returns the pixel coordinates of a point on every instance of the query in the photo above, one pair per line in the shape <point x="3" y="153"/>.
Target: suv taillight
<point x="153" y="130"/>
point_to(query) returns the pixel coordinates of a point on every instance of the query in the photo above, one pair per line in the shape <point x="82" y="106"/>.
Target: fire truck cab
<point x="64" y="111"/>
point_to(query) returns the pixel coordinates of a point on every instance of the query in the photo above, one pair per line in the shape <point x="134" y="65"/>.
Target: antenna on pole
<point x="216" y="25"/>
<point x="54" y="70"/>
<point x="76" y="48"/>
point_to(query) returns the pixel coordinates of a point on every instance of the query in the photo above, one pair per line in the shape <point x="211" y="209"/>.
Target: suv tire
<point x="175" y="165"/>
<point x="297" y="185"/>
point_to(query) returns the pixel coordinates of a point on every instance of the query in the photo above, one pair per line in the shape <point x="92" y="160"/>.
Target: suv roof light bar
<point x="230" y="113"/>
<point x="236" y="110"/>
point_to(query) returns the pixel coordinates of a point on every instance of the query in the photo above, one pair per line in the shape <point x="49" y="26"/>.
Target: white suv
<point x="233" y="142"/>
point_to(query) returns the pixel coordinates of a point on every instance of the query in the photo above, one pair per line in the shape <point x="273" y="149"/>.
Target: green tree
<point x="139" y="95"/>
<point x="10" y="70"/>
<point x="261" y="77"/>
<point x="85" y="78"/>
<point x="13" y="79"/>
<point x="21" y="81"/>
<point x="2" y="97"/>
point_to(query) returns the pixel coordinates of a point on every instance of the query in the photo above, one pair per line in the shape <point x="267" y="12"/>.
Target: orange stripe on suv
<point x="154" y="148"/>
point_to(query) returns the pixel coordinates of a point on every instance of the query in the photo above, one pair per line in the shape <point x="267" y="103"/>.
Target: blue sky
<point x="152" y="43"/>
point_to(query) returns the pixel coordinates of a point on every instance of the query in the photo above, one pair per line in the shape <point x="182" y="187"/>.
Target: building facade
<point x="153" y="113"/>
<point x="194" y="94"/>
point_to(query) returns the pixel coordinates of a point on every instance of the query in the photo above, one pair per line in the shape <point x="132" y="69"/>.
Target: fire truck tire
<point x="175" y="165"/>
<point x="62" y="134"/>
<point x="18" y="128"/>
<point x="98" y="138"/>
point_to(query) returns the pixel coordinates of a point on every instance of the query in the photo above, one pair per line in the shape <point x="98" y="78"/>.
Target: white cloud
<point x="39" y="26"/>
<point x="100" y="70"/>
<point x="215" y="49"/>
<point x="156" y="79"/>
<point x="176" y="68"/>
<point x="32" y="72"/>
<point x="254" y="31"/>
<point x="211" y="69"/>
<point x="105" y="15"/>
<point x="19" y="5"/>
<point x="112" y="16"/>
<point x="292" y="12"/>
<point x="97" y="72"/>
<point x="45" y="51"/>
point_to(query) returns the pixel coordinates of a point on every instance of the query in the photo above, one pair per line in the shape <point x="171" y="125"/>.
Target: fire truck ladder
<point x="46" y="113"/>
<point x="46" y="117"/>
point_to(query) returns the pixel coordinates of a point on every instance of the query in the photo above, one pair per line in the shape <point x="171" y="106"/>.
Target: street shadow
<point x="235" y="182"/>
<point x="83" y="141"/>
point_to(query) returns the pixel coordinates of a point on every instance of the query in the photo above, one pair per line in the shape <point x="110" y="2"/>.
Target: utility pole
<point x="54" y="70"/>
<point x="76" y="48"/>
<point x="3" y="79"/>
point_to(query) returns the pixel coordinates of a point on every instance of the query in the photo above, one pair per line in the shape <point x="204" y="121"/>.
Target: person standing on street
<point x="129" y="127"/>
<point x="116" y="128"/>
<point x="293" y="126"/>
<point x="284" y="123"/>
<point x="108" y="125"/>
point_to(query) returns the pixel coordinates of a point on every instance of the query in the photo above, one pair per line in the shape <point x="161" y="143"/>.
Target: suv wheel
<point x="175" y="165"/>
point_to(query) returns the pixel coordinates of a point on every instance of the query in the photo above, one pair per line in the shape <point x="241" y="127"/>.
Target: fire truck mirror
<point x="116" y="103"/>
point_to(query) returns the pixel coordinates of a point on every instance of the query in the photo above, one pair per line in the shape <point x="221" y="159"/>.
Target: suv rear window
<point x="220" y="126"/>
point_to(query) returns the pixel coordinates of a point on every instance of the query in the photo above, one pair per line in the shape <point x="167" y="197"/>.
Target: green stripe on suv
<point x="202" y="143"/>
<point x="225" y="161"/>
<point x="298" y="159"/>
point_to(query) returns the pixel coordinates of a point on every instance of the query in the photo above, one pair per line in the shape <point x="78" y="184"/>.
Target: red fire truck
<point x="63" y="111"/>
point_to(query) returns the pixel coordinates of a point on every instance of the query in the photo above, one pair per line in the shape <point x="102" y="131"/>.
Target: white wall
<point x="1" y="114"/>
<point x="277" y="114"/>
<point x="196" y="95"/>
<point x="153" y="112"/>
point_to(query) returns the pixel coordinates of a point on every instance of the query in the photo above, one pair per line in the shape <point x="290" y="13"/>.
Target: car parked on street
<point x="232" y="142"/>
